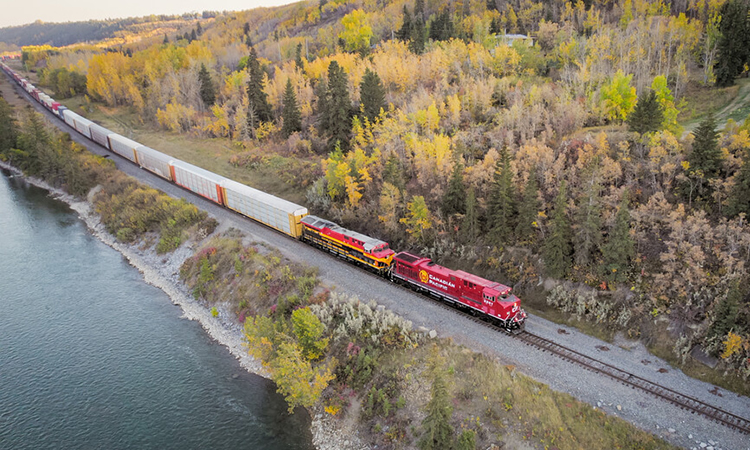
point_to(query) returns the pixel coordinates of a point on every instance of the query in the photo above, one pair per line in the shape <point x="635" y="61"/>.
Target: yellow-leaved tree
<point x="419" y="219"/>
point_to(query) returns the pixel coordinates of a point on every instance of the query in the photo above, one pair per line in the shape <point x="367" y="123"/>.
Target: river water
<point x="92" y="357"/>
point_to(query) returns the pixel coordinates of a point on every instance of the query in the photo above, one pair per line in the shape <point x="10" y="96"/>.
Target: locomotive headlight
<point x="515" y="307"/>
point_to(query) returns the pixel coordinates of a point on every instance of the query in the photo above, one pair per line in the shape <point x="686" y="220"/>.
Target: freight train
<point x="487" y="299"/>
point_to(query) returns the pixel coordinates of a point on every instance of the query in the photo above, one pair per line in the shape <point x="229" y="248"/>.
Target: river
<point x="93" y="357"/>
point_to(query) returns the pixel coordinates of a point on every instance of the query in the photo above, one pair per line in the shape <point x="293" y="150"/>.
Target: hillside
<point x="70" y="33"/>
<point x="542" y="144"/>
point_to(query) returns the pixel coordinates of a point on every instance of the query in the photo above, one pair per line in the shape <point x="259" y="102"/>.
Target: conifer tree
<point x="706" y="155"/>
<point x="739" y="199"/>
<point x="647" y="116"/>
<point x="193" y="36"/>
<point x="393" y="172"/>
<point x="338" y="107"/>
<point x="404" y="33"/>
<point x="588" y="231"/>
<point x="557" y="249"/>
<point x="734" y="42"/>
<point x="258" y="108"/>
<point x="208" y="92"/>
<point x="8" y="130"/>
<point x="454" y="200"/>
<point x="298" y="57"/>
<point x="501" y="208"/>
<point x="619" y="249"/>
<point x="417" y="43"/>
<point x="166" y="39"/>
<point x="198" y="28"/>
<point x="471" y="219"/>
<point x="467" y="440"/>
<point x="529" y="209"/>
<point x="246" y="29"/>
<point x="248" y="42"/>
<point x="291" y="113"/>
<point x="321" y="106"/>
<point x="372" y="95"/>
<point x="437" y="429"/>
<point x="727" y="311"/>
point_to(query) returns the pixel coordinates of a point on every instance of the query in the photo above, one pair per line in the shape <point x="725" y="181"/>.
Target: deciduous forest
<point x="567" y="149"/>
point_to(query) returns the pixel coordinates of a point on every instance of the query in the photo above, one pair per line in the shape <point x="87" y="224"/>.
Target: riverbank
<point x="163" y="272"/>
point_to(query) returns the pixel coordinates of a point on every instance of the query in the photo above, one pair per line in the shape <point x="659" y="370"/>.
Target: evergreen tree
<point x="372" y="95"/>
<point x="198" y="28"/>
<point x="454" y="200"/>
<point x="338" y="121"/>
<point x="258" y="108"/>
<point x="467" y="440"/>
<point x="437" y="429"/>
<point x="8" y="130"/>
<point x="496" y="26"/>
<point x="417" y="43"/>
<point x="471" y="219"/>
<point x="619" y="249"/>
<point x="727" y="311"/>
<point x="734" y="43"/>
<point x="404" y="33"/>
<point x="557" y="249"/>
<point x="208" y="92"/>
<point x="291" y="114"/>
<point x="166" y="39"/>
<point x="248" y="42"/>
<point x="441" y="29"/>
<point x="739" y="199"/>
<point x="491" y="5"/>
<point x="246" y="29"/>
<point x="394" y="173"/>
<point x="321" y="106"/>
<point x="706" y="155"/>
<point x="298" y="57"/>
<point x="529" y="209"/>
<point x="588" y="231"/>
<point x="647" y="116"/>
<point x="501" y="208"/>
<point x="193" y="36"/>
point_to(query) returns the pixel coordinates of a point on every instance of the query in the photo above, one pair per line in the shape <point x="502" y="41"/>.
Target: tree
<point x="501" y="208"/>
<point x="309" y="332"/>
<point x="471" y="219"/>
<point x="418" y="219"/>
<point x="706" y="155"/>
<point x="291" y="114"/>
<point x="248" y="41"/>
<point x="739" y="199"/>
<point x="295" y="377"/>
<point x="438" y="432"/>
<point x="588" y="231"/>
<point x="618" y="96"/>
<point x="557" y="249"/>
<point x="454" y="200"/>
<point x="208" y="92"/>
<point x="372" y="95"/>
<point x="357" y="31"/>
<point x="258" y="108"/>
<point x="298" y="57"/>
<point x="734" y="43"/>
<point x="193" y="36"/>
<point x="727" y="311"/>
<point x="619" y="249"/>
<point x="246" y="29"/>
<point x="528" y="210"/>
<point x="393" y="172"/>
<point x="336" y="115"/>
<point x="666" y="100"/>
<point x="441" y="28"/>
<point x="198" y="28"/>
<point x="404" y="33"/>
<point x="647" y="116"/>
<point x="8" y="130"/>
<point x="467" y="440"/>
<point x="166" y="39"/>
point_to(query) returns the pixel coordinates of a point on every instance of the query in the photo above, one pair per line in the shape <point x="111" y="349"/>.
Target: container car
<point x="69" y="116"/>
<point x="154" y="161"/>
<point x="275" y="212"/>
<point x="370" y="252"/>
<point x="462" y="289"/>
<point x="83" y="125"/>
<point x="201" y="181"/>
<point x="123" y="146"/>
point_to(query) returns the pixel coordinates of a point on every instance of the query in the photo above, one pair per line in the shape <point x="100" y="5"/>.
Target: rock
<point x="423" y="330"/>
<point x="704" y="445"/>
<point x="672" y="430"/>
<point x="690" y="436"/>
<point x="619" y="408"/>
<point x="599" y="404"/>
<point x="710" y="447"/>
<point x="711" y="442"/>
<point x="433" y="334"/>
<point x="235" y="376"/>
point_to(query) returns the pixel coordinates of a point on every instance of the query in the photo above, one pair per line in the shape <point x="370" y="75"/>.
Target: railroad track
<point x="683" y="401"/>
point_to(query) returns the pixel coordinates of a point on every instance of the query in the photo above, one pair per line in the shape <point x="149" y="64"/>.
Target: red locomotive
<point x="464" y="290"/>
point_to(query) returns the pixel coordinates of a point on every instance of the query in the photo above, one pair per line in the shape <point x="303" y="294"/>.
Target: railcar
<point x="154" y="161"/>
<point x="100" y="135"/>
<point x="123" y="146"/>
<point x="201" y="181"/>
<point x="68" y="117"/>
<point x="356" y="247"/>
<point x="275" y="212"/>
<point x="461" y="289"/>
<point x="83" y="125"/>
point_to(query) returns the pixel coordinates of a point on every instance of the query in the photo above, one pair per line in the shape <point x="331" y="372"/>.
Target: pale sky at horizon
<point x="20" y="13"/>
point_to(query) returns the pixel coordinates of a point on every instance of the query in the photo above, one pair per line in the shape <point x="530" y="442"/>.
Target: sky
<point x="15" y="12"/>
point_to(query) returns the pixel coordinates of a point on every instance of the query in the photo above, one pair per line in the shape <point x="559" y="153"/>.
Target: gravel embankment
<point x="645" y="411"/>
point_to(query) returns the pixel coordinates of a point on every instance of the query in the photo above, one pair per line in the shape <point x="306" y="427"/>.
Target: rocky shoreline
<point x="163" y="272"/>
